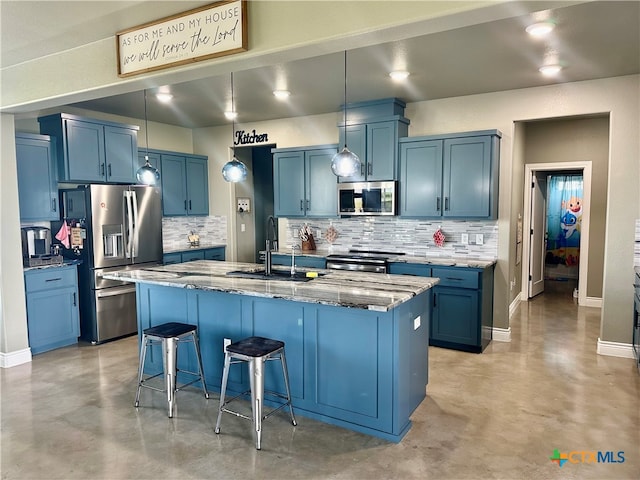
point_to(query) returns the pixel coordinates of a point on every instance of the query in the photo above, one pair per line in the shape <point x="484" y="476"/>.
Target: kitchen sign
<point x="207" y="32"/>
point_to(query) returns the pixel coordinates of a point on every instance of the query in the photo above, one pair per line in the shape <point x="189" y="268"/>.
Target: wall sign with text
<point x="211" y="31"/>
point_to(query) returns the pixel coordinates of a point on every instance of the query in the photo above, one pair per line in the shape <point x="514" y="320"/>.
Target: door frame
<point x="530" y="170"/>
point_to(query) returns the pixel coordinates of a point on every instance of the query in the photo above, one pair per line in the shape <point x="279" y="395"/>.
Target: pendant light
<point x="345" y="163"/>
<point x="147" y="174"/>
<point x="234" y="170"/>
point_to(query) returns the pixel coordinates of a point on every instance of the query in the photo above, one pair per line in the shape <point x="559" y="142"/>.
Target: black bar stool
<point x="169" y="335"/>
<point x="255" y="351"/>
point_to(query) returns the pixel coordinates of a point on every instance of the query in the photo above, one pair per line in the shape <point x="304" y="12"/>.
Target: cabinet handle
<point x="455" y="278"/>
<point x="54" y="205"/>
<point x="362" y="168"/>
<point x="109" y="169"/>
<point x="308" y="205"/>
<point x="438" y="204"/>
<point x="189" y="204"/>
<point x="302" y="205"/>
<point x="74" y="299"/>
<point x="185" y="205"/>
<point x="370" y="168"/>
<point x="53" y="279"/>
<point x="69" y="205"/>
<point x="446" y="203"/>
<point x="434" y="301"/>
<point x="102" y="169"/>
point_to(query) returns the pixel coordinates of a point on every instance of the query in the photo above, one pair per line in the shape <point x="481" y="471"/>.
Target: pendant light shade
<point x="234" y="170"/>
<point x="345" y="163"/>
<point x="147" y="174"/>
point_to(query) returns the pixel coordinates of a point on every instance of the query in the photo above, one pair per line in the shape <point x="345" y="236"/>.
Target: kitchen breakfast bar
<point x="356" y="343"/>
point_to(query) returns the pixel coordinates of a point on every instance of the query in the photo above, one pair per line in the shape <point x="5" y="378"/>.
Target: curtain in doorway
<point x="564" y="219"/>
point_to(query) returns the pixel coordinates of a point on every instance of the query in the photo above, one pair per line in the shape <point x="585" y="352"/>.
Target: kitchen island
<point x="356" y="343"/>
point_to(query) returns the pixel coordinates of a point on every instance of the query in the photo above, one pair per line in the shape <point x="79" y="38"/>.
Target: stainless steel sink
<point x="275" y="275"/>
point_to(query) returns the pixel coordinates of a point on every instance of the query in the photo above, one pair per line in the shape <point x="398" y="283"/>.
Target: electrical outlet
<point x="318" y="233"/>
<point x="464" y="238"/>
<point x="244" y="205"/>
<point x="243" y="227"/>
<point x="479" y="239"/>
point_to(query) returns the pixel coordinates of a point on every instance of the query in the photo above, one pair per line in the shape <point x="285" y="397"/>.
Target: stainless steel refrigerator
<point x="123" y="229"/>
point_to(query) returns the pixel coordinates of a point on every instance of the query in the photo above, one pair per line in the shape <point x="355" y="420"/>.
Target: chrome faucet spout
<point x="293" y="259"/>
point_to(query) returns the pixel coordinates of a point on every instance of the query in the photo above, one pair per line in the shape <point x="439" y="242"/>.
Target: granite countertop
<point x="66" y="262"/>
<point x="368" y="291"/>
<point x="461" y="261"/>
<point x="186" y="247"/>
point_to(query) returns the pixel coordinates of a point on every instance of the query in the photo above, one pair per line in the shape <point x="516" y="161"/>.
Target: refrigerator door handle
<point x="129" y="223"/>
<point x="135" y="240"/>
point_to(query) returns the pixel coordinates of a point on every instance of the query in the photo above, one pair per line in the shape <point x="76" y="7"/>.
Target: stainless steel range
<point x="361" y="261"/>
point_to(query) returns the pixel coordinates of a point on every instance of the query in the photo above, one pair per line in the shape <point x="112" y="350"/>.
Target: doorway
<point x="538" y="195"/>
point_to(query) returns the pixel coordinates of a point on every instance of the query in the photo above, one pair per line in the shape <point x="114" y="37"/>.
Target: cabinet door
<point x="321" y="185"/>
<point x="37" y="179"/>
<point x="467" y="177"/>
<point x="381" y="151"/>
<point x="288" y="178"/>
<point x="410" y="269"/>
<point x="191" y="256"/>
<point x="121" y="150"/>
<point x="85" y="155"/>
<point x="214" y="254"/>
<point x="171" y="258"/>
<point x="174" y="185"/>
<point x="356" y="142"/>
<point x="421" y="178"/>
<point x="52" y="319"/>
<point x="455" y="316"/>
<point x="197" y="186"/>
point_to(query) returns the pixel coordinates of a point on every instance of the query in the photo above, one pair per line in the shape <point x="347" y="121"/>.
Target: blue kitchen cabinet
<point x="304" y="185"/>
<point x="185" y="184"/>
<point x="453" y="176"/>
<point x="462" y="317"/>
<point x="306" y="261"/>
<point x="214" y="253"/>
<point x="52" y="307"/>
<point x="372" y="132"/>
<point x="90" y="150"/>
<point x="37" y="177"/>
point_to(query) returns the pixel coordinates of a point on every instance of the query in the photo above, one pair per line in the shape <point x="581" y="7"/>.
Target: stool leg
<point x="143" y="355"/>
<point x="223" y="389"/>
<point x="285" y="372"/>
<point x="256" y="371"/>
<point x="169" y="346"/>
<point x="200" y="369"/>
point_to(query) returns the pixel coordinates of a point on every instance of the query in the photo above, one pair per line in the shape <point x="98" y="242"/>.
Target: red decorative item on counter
<point x="438" y="238"/>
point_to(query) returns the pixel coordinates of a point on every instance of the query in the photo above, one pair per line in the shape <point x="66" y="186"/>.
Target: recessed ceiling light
<point x="281" y="94"/>
<point x="164" y="97"/>
<point x="399" y="75"/>
<point x="231" y="115"/>
<point x="550" y="70"/>
<point x="540" y="29"/>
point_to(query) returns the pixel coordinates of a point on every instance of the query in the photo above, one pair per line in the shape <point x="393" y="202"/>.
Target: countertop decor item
<point x="234" y="170"/>
<point x="331" y="234"/>
<point x="438" y="237"/>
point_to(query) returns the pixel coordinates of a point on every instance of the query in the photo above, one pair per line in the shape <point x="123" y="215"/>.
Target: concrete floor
<point x="69" y="414"/>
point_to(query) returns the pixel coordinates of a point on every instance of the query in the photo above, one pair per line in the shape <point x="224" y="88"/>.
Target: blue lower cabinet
<point x="359" y="369"/>
<point x="306" y="261"/>
<point x="52" y="308"/>
<point x="215" y="253"/>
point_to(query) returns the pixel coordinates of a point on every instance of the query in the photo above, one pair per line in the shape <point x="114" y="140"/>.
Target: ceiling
<point x="592" y="40"/>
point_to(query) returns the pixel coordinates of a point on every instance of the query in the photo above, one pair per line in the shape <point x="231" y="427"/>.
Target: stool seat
<point x="171" y="329"/>
<point x="255" y="351"/>
<point x="169" y="336"/>
<point x="255" y="346"/>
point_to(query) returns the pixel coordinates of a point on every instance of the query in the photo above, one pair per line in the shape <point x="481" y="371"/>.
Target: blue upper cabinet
<point x="90" y="150"/>
<point x="454" y="176"/>
<point x="37" y="179"/>
<point x="185" y="184"/>
<point x="372" y="133"/>
<point x="304" y="185"/>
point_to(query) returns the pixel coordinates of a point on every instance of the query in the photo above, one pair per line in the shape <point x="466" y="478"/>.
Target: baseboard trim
<point x="513" y="306"/>
<point x="615" y="349"/>
<point x="592" y="302"/>
<point x="501" y="334"/>
<point x="13" y="359"/>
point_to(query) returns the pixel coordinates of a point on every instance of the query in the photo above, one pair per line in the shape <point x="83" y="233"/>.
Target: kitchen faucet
<point x="293" y="259"/>
<point x="271" y="243"/>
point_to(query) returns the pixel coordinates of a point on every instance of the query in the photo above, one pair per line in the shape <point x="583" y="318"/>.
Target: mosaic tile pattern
<point x="412" y="237"/>
<point x="212" y="230"/>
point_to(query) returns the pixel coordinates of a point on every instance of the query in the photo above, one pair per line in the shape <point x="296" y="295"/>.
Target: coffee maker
<point x="36" y="247"/>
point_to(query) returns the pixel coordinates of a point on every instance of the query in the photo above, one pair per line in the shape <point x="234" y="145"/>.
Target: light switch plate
<point x="479" y="239"/>
<point x="464" y="238"/>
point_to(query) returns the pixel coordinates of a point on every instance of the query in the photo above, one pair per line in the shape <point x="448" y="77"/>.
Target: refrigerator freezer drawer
<point x="115" y="312"/>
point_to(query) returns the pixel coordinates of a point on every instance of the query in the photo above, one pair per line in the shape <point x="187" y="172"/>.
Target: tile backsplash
<point x="212" y="229"/>
<point x="412" y="237"/>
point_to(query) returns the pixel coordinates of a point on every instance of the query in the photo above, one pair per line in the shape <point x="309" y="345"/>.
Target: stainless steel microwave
<point x="367" y="198"/>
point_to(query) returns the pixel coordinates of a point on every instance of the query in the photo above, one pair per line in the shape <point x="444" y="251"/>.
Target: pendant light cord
<point x="345" y="99"/>
<point x="233" y="119"/>
<point x="146" y="128"/>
